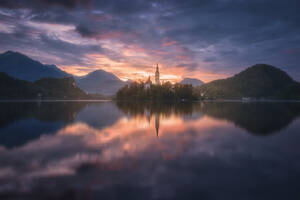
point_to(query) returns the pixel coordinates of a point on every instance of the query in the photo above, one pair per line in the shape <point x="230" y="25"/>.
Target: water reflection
<point x="149" y="151"/>
<point x="24" y="121"/>
<point x="259" y="118"/>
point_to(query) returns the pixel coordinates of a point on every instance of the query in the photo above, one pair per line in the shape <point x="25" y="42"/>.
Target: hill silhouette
<point x="101" y="82"/>
<point x="22" y="67"/>
<point x="50" y="88"/>
<point x="258" y="81"/>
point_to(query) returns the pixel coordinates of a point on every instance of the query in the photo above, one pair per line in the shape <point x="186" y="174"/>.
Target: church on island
<point x="157" y="80"/>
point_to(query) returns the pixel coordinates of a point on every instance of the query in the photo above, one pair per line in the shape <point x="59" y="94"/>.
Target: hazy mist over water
<point x="122" y="150"/>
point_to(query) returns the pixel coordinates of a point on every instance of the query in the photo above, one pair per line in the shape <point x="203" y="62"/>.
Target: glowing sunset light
<point x="79" y="39"/>
<point x="149" y="99"/>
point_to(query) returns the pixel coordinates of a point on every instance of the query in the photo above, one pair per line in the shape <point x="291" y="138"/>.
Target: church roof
<point x="148" y="81"/>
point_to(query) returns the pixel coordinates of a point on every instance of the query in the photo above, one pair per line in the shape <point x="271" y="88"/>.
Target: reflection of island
<point x="257" y="118"/>
<point x="157" y="124"/>
<point x="43" y="111"/>
<point x="166" y="109"/>
<point x="159" y="110"/>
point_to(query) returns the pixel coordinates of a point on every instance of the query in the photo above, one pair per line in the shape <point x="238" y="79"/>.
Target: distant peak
<point x="262" y="65"/>
<point x="264" y="68"/>
<point x="193" y="81"/>
<point x="10" y="53"/>
<point x="99" y="71"/>
<point x="14" y="53"/>
<point x="101" y="74"/>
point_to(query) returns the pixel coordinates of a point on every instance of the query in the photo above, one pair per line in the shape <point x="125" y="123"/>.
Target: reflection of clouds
<point x="78" y="143"/>
<point x="200" y="154"/>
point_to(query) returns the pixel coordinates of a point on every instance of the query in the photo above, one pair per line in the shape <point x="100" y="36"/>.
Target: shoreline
<point x="251" y="101"/>
<point x="166" y="101"/>
<point x="56" y="100"/>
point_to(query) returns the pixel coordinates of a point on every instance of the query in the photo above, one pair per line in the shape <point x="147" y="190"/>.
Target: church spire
<point x="157" y="81"/>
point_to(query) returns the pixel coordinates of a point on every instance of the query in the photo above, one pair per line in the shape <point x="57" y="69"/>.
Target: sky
<point x="204" y="39"/>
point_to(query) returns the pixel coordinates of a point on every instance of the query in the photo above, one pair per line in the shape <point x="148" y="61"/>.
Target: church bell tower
<point x="157" y="81"/>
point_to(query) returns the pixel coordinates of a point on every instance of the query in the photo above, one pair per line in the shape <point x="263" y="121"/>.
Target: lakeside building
<point x="148" y="83"/>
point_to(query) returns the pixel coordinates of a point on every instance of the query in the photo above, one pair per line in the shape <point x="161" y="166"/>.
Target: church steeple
<point x="157" y="81"/>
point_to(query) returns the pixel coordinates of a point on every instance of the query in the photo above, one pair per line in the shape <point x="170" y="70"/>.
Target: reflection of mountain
<point x="257" y="118"/>
<point x="99" y="115"/>
<point x="190" y="161"/>
<point x="24" y="121"/>
<point x="33" y="119"/>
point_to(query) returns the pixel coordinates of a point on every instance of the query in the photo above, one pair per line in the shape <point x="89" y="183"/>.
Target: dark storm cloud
<point x="71" y="54"/>
<point x="42" y="3"/>
<point x="234" y="33"/>
<point x="85" y="32"/>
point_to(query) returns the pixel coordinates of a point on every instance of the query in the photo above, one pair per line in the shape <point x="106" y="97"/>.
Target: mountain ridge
<point x="258" y="81"/>
<point x="45" y="88"/>
<point x="23" y="67"/>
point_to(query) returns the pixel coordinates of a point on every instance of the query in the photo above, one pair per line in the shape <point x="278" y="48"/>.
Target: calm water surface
<point x="106" y="150"/>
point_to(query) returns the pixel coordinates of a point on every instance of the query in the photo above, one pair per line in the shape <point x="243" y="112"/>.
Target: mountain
<point x="192" y="81"/>
<point x="22" y="67"/>
<point x="100" y="81"/>
<point x="258" y="81"/>
<point x="129" y="81"/>
<point x="46" y="88"/>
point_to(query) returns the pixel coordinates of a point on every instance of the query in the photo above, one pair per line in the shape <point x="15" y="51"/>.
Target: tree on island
<point x="164" y="92"/>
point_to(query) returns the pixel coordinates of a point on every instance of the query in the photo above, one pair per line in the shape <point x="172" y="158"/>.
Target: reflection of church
<point x="157" y="123"/>
<point x="148" y="83"/>
<point x="156" y="119"/>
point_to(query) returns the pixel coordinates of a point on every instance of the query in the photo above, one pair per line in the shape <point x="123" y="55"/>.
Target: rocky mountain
<point x="258" y="81"/>
<point x="45" y="88"/>
<point x="100" y="81"/>
<point x="192" y="81"/>
<point x="22" y="67"/>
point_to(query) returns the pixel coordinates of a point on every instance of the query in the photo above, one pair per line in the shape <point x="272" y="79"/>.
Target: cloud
<point x="226" y="35"/>
<point x="42" y="4"/>
<point x="85" y="32"/>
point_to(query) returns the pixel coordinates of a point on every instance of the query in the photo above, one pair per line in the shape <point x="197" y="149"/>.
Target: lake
<point x="108" y="150"/>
